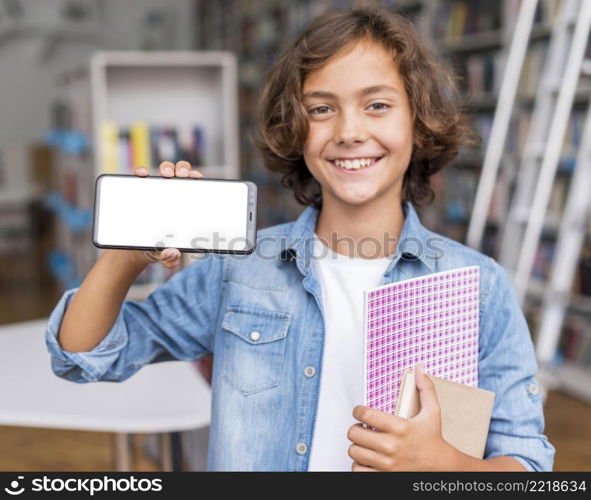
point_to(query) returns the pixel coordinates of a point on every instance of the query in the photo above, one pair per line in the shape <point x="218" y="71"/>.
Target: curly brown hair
<point x="440" y="127"/>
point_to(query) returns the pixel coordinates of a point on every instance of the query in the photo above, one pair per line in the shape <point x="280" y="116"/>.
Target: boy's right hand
<point x="169" y="257"/>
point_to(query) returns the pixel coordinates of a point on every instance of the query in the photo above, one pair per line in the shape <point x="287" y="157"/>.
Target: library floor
<point x="568" y="424"/>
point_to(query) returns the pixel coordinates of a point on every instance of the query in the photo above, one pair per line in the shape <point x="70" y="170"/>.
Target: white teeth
<point x="354" y="164"/>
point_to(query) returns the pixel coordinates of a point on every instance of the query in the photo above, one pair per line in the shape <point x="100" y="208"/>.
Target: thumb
<point x="427" y="394"/>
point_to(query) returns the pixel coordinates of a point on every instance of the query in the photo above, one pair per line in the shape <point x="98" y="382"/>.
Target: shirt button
<point x="255" y="335"/>
<point x="309" y="371"/>
<point x="301" y="448"/>
<point x="533" y="389"/>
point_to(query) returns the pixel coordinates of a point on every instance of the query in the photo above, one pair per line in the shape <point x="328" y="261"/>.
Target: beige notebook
<point x="465" y="411"/>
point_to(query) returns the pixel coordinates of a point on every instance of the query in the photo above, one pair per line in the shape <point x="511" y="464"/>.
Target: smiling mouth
<point x="356" y="164"/>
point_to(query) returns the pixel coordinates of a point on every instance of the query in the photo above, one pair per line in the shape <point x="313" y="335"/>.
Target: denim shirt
<point x="261" y="316"/>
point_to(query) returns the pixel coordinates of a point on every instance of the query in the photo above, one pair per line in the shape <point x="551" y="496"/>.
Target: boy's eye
<point x="319" y="110"/>
<point x="378" y="106"/>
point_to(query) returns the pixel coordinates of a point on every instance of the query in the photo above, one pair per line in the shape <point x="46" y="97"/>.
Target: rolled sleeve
<point x="176" y="322"/>
<point x="507" y="366"/>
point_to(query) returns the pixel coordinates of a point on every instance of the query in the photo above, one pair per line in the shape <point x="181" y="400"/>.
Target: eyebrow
<point x="321" y="94"/>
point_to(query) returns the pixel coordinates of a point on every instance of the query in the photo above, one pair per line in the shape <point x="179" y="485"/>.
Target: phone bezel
<point x="251" y="225"/>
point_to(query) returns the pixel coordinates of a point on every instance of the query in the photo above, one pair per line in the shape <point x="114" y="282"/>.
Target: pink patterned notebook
<point x="432" y="319"/>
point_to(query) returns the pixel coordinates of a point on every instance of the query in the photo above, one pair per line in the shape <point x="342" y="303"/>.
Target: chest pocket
<point x="254" y="347"/>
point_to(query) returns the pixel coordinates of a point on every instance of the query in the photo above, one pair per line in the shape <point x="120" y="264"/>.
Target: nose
<point x="349" y="128"/>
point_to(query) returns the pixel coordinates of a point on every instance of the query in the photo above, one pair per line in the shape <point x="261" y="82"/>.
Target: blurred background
<point x="98" y="86"/>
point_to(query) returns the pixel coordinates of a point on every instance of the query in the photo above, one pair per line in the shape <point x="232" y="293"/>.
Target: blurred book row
<point x="124" y="148"/>
<point x="459" y="20"/>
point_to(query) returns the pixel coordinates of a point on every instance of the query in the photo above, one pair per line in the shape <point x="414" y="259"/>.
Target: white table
<point x="161" y="398"/>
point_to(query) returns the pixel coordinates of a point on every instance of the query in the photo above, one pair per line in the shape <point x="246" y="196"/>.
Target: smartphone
<point x="193" y="215"/>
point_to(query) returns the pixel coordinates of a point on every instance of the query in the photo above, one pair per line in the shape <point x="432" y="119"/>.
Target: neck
<point x="365" y="231"/>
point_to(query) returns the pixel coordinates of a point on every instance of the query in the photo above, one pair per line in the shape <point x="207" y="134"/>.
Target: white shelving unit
<point x="182" y="89"/>
<point x="176" y="90"/>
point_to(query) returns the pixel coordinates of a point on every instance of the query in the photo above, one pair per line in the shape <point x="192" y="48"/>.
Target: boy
<point x="357" y="115"/>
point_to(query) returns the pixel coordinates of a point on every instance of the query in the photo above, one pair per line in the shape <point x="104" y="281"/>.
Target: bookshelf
<point x="179" y="92"/>
<point x="571" y="366"/>
<point x="136" y="108"/>
<point x="474" y="37"/>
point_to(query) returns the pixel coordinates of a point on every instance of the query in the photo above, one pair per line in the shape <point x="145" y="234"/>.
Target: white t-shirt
<point x="342" y="281"/>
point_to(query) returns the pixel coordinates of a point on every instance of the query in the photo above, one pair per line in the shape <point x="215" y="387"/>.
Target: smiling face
<point x="360" y="135"/>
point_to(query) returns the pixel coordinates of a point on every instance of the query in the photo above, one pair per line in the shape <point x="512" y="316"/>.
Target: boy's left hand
<point x="400" y="443"/>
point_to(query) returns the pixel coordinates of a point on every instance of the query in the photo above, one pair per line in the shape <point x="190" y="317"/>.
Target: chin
<point x="356" y="200"/>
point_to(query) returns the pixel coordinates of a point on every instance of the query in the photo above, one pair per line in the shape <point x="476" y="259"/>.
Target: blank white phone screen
<point x="155" y="212"/>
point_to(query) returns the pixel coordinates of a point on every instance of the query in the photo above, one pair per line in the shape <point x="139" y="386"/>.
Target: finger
<point x="427" y="394"/>
<point x="169" y="254"/>
<point x="170" y="264"/>
<point x="141" y="171"/>
<point x="367" y="458"/>
<point x="166" y="169"/>
<point x="195" y="174"/>
<point x="182" y="169"/>
<point x="378" y="441"/>
<point x="380" y="420"/>
<point x="170" y="257"/>
<point x="356" y="467"/>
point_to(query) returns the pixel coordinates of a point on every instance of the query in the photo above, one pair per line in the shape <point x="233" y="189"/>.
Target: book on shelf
<point x="584" y="282"/>
<point x="557" y="202"/>
<point x="543" y="259"/>
<point x="532" y="69"/>
<point x="139" y="146"/>
<point x="482" y="124"/>
<point x="452" y="21"/>
<point x="547" y="12"/>
<point x="481" y="74"/>
<point x="124" y="157"/>
<point x="572" y="140"/>
<point x="109" y="161"/>
<point x="575" y="342"/>
<point x="465" y="411"/>
<point x="458" y="192"/>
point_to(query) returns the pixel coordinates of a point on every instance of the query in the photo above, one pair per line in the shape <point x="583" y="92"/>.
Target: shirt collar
<point x="413" y="242"/>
